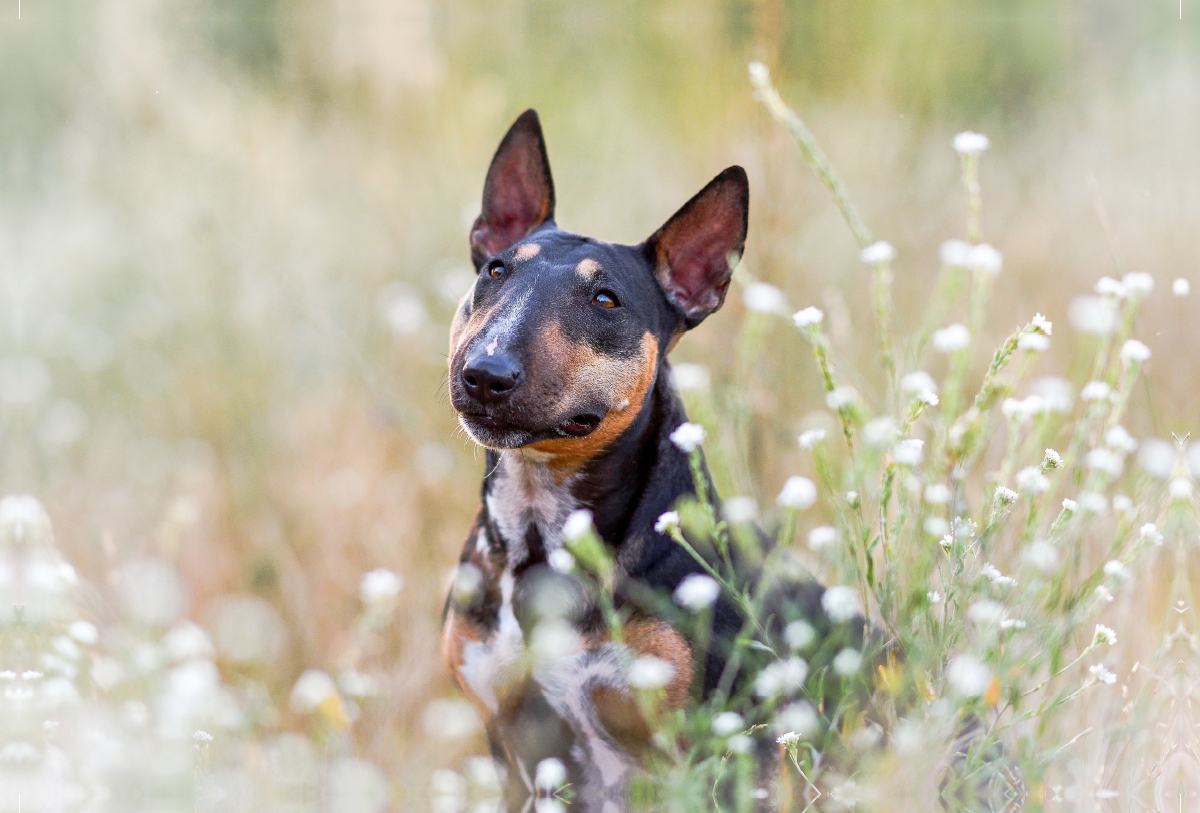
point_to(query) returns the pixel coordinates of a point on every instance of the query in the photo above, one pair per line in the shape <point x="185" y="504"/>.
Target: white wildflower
<point x="762" y="297"/>
<point x="1104" y="460"/>
<point x="1114" y="568"/>
<point x="954" y="253"/>
<point x="727" y="722"/>
<point x="1033" y="343"/>
<point x="667" y="521"/>
<point x="880" y="431"/>
<point x="1103" y="593"/>
<point x="741" y="744"/>
<point x="1004" y="496"/>
<point x="578" y="525"/>
<point x="1118" y="438"/>
<point x="561" y="560"/>
<point x="202" y="737"/>
<point x="822" y="537"/>
<point x="984" y="259"/>
<point x="1122" y="504"/>
<point x="1056" y="393"/>
<point x="852" y="497"/>
<point x="936" y="526"/>
<point x="1093" y="503"/>
<point x="986" y="611"/>
<point x="1180" y="489"/>
<point x="551" y="774"/>
<point x="697" y="592"/>
<point x="380" y="586"/>
<point x="951" y="338"/>
<point x="688" y="437"/>
<point x="798" y="493"/>
<point x="927" y="397"/>
<point x="1041" y="324"/>
<point x="1181" y="287"/>
<point x="740" y="510"/>
<point x="312" y="688"/>
<point x="934" y="597"/>
<point x="1012" y="623"/>
<point x="1051" y="459"/>
<point x="968" y="675"/>
<point x="847" y="662"/>
<point x="909" y="452"/>
<point x="649" y="672"/>
<point x="799" y="718"/>
<point x="1094" y="314"/>
<point x="783" y="677"/>
<point x="840" y="603"/>
<point x="970" y="143"/>
<point x="809" y="439"/>
<point x="1031" y="480"/>
<point x="1095" y="391"/>
<point x="1104" y="635"/>
<point x="918" y="381"/>
<point x="1150" y="533"/>
<point x="799" y="634"/>
<point x="760" y="75"/>
<point x="840" y="397"/>
<point x="1102" y="675"/>
<point x="84" y="632"/>
<point x="1042" y="555"/>
<point x="937" y="494"/>
<point x="1137" y="283"/>
<point x="947" y="542"/>
<point x="1158" y="457"/>
<point x="790" y="738"/>
<point x="1069" y="505"/>
<point x="1107" y="286"/>
<point x="690" y="377"/>
<point x="1134" y="351"/>
<point x="808" y="317"/>
<point x="993" y="574"/>
<point x="877" y="253"/>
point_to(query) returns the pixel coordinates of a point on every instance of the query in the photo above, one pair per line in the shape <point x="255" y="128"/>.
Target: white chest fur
<point x="525" y="493"/>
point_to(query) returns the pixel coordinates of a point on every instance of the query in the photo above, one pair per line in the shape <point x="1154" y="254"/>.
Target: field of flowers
<point x="954" y="381"/>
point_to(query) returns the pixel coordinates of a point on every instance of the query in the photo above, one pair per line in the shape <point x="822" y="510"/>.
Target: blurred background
<point x="232" y="235"/>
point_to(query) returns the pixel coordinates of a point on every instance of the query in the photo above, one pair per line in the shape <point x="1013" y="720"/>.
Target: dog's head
<point x="559" y="342"/>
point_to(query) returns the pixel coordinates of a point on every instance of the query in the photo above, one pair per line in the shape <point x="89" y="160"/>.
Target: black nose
<point x="490" y="379"/>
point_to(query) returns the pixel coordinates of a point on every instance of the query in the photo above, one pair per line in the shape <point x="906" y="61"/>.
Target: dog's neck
<point x="528" y="501"/>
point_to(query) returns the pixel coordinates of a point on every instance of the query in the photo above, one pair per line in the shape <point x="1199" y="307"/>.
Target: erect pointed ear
<point x="695" y="252"/>
<point x="518" y="195"/>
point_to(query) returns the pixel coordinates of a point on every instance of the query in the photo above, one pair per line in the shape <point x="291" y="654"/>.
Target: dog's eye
<point x="496" y="270"/>
<point x="606" y="299"/>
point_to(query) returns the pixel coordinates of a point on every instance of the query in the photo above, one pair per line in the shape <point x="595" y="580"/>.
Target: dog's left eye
<point x="495" y="270"/>
<point x="606" y="299"/>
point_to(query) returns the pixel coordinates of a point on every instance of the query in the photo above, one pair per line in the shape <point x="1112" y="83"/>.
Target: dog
<point x="558" y="368"/>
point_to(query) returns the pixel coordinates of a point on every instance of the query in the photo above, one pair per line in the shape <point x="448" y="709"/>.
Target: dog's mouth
<point x="492" y="427"/>
<point x="579" y="426"/>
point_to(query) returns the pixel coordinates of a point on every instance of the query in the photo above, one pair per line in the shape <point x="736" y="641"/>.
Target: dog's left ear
<point x="694" y="253"/>
<point x="518" y="195"/>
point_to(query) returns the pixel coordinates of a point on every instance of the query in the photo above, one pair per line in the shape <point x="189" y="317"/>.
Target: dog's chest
<point x="528" y="505"/>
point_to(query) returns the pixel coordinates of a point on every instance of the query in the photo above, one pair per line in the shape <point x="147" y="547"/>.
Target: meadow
<point x="231" y="240"/>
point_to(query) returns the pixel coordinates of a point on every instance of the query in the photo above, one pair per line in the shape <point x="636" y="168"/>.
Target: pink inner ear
<point x="694" y="247"/>
<point x="518" y="195"/>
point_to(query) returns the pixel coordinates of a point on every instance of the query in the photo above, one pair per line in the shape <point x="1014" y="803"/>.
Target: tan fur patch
<point x="528" y="251"/>
<point x="618" y="710"/>
<point x="455" y="635"/>
<point x="650" y="636"/>
<point x="627" y="380"/>
<point x="587" y="268"/>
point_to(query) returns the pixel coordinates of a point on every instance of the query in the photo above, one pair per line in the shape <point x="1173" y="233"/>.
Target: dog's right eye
<point x="496" y="270"/>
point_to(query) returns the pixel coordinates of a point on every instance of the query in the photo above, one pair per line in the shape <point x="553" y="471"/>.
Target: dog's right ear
<point x="695" y="252"/>
<point x="518" y="195"/>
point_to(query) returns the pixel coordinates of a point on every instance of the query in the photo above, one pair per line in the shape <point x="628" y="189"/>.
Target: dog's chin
<point x="493" y="433"/>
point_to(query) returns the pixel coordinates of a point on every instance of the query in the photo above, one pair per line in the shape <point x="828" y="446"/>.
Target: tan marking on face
<point x="625" y="381"/>
<point x="528" y="251"/>
<point x="587" y="268"/>
<point x="456" y="633"/>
